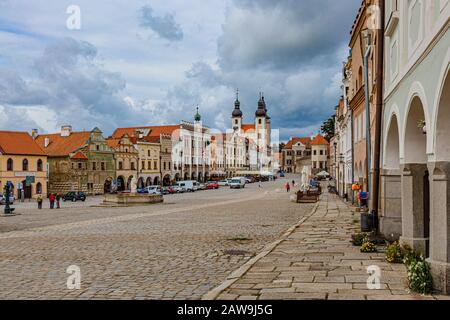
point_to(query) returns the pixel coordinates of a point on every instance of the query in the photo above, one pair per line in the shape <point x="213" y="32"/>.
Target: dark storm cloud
<point x="284" y="33"/>
<point x="165" y="26"/>
<point x="69" y="82"/>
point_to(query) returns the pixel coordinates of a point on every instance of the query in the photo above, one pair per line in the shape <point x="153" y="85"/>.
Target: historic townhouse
<point x="23" y="163"/>
<point x="189" y="144"/>
<point x="416" y="154"/>
<point x="78" y="161"/>
<point x="126" y="161"/>
<point x="150" y="162"/>
<point x="296" y="155"/>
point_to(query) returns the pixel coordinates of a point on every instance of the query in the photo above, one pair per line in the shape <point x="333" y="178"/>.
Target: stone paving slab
<point x="316" y="261"/>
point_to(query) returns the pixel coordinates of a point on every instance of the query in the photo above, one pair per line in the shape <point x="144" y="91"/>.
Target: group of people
<point x="53" y="198"/>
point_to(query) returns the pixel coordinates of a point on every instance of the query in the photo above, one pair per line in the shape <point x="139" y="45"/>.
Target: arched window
<point x="25" y="165"/>
<point x="40" y="166"/>
<point x="10" y="165"/>
<point x="39" y="188"/>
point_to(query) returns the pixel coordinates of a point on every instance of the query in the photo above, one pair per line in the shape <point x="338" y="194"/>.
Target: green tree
<point x="328" y="128"/>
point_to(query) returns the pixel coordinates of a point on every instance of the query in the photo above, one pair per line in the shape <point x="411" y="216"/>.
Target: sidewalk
<point x="315" y="260"/>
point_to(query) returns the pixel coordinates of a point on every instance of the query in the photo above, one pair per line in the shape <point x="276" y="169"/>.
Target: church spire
<point x="197" y="116"/>
<point x="237" y="113"/>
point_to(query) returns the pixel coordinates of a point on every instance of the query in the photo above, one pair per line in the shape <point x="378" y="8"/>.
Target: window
<point x="164" y="165"/>
<point x="148" y="152"/>
<point x="80" y="165"/>
<point x="10" y="165"/>
<point x="40" y="166"/>
<point x="103" y="166"/>
<point x="156" y="165"/>
<point x="321" y="152"/>
<point x="143" y="165"/>
<point x="260" y="121"/>
<point x="133" y="167"/>
<point x="25" y="165"/>
<point x="315" y="152"/>
<point x="97" y="147"/>
<point x="120" y="165"/>
<point x="94" y="166"/>
<point x="39" y="188"/>
<point x="149" y="165"/>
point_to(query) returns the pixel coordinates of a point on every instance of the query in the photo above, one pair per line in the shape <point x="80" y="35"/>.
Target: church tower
<point x="236" y="116"/>
<point x="262" y="132"/>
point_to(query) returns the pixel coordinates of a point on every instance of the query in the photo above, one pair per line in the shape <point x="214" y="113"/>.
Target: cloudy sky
<point x="150" y="62"/>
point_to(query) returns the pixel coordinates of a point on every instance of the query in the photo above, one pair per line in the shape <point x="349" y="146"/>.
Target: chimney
<point x="46" y="142"/>
<point x="66" y="131"/>
<point x="34" y="133"/>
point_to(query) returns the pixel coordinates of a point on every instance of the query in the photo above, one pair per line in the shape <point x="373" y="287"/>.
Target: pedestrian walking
<point x="52" y="200"/>
<point x="39" y="201"/>
<point x="293" y="183"/>
<point x="288" y="187"/>
<point x="58" y="197"/>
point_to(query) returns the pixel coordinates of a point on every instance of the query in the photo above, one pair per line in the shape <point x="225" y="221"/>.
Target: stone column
<point x="413" y="227"/>
<point x="391" y="203"/>
<point x="440" y="226"/>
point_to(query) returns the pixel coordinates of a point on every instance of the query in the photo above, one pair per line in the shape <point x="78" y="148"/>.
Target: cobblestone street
<point x="177" y="250"/>
<point x="315" y="260"/>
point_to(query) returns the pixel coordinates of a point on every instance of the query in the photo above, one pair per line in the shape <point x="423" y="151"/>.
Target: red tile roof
<point x="112" y="143"/>
<point x="319" y="140"/>
<point x="19" y="143"/>
<point x="63" y="146"/>
<point x="247" y="127"/>
<point x="154" y="130"/>
<point x="79" y="156"/>
<point x="294" y="141"/>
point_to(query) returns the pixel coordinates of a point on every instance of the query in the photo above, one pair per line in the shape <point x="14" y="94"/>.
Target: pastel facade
<point x="23" y="163"/>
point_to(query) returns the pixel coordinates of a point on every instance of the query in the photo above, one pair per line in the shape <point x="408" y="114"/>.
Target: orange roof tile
<point x="293" y="141"/>
<point x="319" y="140"/>
<point x="154" y="130"/>
<point x="79" y="156"/>
<point x="63" y="146"/>
<point x="19" y="143"/>
<point x="112" y="143"/>
<point x="246" y="127"/>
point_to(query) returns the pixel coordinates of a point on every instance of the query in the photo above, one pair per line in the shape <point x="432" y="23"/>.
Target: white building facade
<point x="415" y="181"/>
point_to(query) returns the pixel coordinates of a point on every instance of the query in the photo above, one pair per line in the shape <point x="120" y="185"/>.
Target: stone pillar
<point x="391" y="203"/>
<point x="440" y="226"/>
<point x="413" y="227"/>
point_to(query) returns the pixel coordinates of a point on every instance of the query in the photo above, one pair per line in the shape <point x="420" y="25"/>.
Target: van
<point x="189" y="186"/>
<point x="237" y="183"/>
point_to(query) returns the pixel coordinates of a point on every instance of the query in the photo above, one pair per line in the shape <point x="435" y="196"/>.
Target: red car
<point x="212" y="185"/>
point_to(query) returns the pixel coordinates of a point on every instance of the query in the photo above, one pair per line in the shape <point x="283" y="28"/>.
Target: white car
<point x="237" y="183"/>
<point x="189" y="186"/>
<point x="223" y="183"/>
<point x="179" y="189"/>
<point x="153" y="190"/>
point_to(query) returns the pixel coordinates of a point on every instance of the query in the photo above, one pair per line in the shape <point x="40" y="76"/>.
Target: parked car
<point x="74" y="196"/>
<point x="248" y="180"/>
<point x="154" y="190"/>
<point x="202" y="186"/>
<point x="189" y="185"/>
<point x="223" y="183"/>
<point x="237" y="183"/>
<point x="212" y="185"/>
<point x="3" y="199"/>
<point x="179" y="189"/>
<point x="282" y="174"/>
<point x="169" y="190"/>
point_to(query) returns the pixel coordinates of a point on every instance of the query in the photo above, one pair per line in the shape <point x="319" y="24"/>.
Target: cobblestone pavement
<point x="317" y="261"/>
<point x="177" y="250"/>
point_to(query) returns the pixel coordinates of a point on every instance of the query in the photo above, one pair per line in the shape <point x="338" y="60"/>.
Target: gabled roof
<point x="19" y="143"/>
<point x="154" y="130"/>
<point x="319" y="140"/>
<point x="79" y="156"/>
<point x="112" y="143"/>
<point x="295" y="140"/>
<point x="63" y="146"/>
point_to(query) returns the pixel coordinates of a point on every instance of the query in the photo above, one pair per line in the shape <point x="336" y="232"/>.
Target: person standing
<point x="288" y="187"/>
<point x="293" y="183"/>
<point x="58" y="197"/>
<point x="39" y="201"/>
<point x="52" y="200"/>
